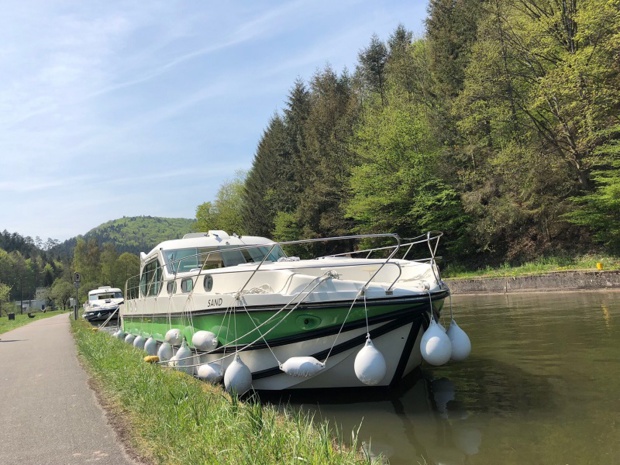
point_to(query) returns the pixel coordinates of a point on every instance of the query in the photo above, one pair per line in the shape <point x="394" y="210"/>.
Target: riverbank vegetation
<point x="168" y="417"/>
<point x="544" y="265"/>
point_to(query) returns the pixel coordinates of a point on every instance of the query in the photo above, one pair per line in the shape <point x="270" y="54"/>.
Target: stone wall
<point x="558" y="281"/>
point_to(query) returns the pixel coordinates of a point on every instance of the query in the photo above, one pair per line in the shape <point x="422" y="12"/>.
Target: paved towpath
<point x="48" y="413"/>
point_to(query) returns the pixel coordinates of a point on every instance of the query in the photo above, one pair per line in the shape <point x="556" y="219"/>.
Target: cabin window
<point x="150" y="280"/>
<point x="187" y="285"/>
<point x="171" y="287"/>
<point x="208" y="258"/>
<point x="208" y="282"/>
<point x="181" y="260"/>
<point x="107" y="295"/>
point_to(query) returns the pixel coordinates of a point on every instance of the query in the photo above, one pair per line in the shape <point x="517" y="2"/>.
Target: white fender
<point x="211" y="372"/>
<point x="184" y="359"/>
<point x="237" y="377"/>
<point x="204" y="340"/>
<point x="303" y="367"/>
<point x="435" y="345"/>
<point x="174" y="336"/>
<point x="165" y="352"/>
<point x="120" y="334"/>
<point x="461" y="345"/>
<point x="138" y="342"/>
<point x="370" y="367"/>
<point x="129" y="338"/>
<point x="150" y="346"/>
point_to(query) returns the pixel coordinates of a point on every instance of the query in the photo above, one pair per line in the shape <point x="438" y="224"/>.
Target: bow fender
<point x="435" y="345"/>
<point x="370" y="367"/>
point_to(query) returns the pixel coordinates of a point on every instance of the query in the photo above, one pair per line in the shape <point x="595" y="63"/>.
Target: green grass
<point x="172" y="418"/>
<point x="543" y="265"/>
<point x="21" y="320"/>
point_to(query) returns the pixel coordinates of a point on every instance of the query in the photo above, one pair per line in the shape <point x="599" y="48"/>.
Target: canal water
<point x="541" y="386"/>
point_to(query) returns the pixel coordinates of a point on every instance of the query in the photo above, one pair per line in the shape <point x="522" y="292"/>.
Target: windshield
<point x="183" y="260"/>
<point x="107" y="295"/>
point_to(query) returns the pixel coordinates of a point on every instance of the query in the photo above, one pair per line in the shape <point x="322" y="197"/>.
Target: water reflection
<point x="423" y="421"/>
<point x="540" y="387"/>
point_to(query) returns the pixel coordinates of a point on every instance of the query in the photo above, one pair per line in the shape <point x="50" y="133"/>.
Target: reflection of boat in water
<point x="241" y="309"/>
<point x="102" y="303"/>
<point x="420" y="422"/>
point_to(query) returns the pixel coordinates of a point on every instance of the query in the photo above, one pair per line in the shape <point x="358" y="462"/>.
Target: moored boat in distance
<point x="102" y="303"/>
<point x="240" y="309"/>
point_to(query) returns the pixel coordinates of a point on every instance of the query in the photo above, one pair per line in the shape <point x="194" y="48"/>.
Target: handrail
<point x="337" y="238"/>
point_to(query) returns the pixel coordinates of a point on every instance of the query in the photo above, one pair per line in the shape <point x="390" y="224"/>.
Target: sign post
<point x="76" y="282"/>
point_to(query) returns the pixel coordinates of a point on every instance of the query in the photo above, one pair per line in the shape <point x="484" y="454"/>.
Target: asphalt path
<point x="48" y="413"/>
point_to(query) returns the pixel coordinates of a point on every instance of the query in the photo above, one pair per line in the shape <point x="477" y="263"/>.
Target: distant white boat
<point x="102" y="302"/>
<point x="239" y="309"/>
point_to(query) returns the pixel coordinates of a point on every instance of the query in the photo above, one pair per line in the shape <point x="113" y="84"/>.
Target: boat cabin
<point x="105" y="293"/>
<point x="206" y="251"/>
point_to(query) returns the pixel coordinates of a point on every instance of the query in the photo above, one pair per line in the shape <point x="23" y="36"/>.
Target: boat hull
<point x="394" y="325"/>
<point x="99" y="314"/>
<point x="294" y="323"/>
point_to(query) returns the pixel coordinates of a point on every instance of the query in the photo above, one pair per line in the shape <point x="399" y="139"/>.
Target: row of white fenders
<point x="437" y="347"/>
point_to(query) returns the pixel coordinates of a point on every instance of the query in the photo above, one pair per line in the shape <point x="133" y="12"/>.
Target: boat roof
<point x="103" y="290"/>
<point x="212" y="238"/>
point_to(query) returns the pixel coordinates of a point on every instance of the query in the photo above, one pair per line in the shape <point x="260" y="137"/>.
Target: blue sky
<point x="126" y="108"/>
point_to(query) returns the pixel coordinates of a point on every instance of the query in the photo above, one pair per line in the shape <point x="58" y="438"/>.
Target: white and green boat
<point x="238" y="308"/>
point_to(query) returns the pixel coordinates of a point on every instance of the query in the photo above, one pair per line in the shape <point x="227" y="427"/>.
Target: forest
<point x="499" y="127"/>
<point x="31" y="270"/>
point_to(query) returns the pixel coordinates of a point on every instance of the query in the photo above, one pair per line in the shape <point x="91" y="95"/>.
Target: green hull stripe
<point x="300" y="324"/>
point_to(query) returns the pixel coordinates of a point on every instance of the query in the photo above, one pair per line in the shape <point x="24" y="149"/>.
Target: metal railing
<point x="431" y="238"/>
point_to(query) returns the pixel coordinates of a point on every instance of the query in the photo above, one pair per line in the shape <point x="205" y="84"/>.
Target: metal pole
<point x="76" y="281"/>
<point x="77" y="290"/>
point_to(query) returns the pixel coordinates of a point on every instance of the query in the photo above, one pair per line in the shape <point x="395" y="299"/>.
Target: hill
<point x="132" y="234"/>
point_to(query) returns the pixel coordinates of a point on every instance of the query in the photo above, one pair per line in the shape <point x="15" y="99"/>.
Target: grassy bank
<point x="543" y="265"/>
<point x="168" y="417"/>
<point x="21" y="320"/>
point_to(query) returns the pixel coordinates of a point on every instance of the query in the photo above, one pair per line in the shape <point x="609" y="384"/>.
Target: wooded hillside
<point x="500" y="127"/>
<point x="131" y="234"/>
<point x="105" y="255"/>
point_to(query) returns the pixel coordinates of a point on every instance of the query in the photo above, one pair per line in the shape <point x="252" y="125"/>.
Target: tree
<point x="395" y="188"/>
<point x="108" y="259"/>
<point x="5" y="292"/>
<point x="537" y="92"/>
<point x="269" y="184"/>
<point x="512" y="206"/>
<point x="206" y="216"/>
<point x="371" y="68"/>
<point x="86" y="260"/>
<point x="600" y="210"/>
<point x="226" y="211"/>
<point x="401" y="67"/>
<point x="451" y="30"/>
<point x="127" y="266"/>
<point x="327" y="158"/>
<point x="61" y="292"/>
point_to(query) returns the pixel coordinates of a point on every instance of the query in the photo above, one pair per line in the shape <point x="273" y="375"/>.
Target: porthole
<point x="187" y="285"/>
<point x="171" y="287"/>
<point x="208" y="283"/>
<point x="307" y="322"/>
